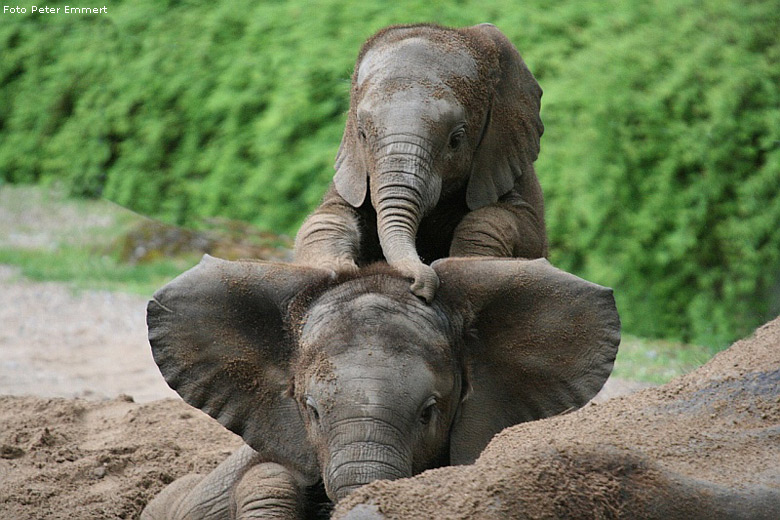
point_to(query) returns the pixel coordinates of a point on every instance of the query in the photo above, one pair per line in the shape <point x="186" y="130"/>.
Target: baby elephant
<point x="334" y="383"/>
<point x="436" y="159"/>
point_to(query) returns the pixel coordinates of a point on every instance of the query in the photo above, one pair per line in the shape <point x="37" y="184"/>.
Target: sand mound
<point x="72" y="458"/>
<point x="712" y="436"/>
<point x="706" y="445"/>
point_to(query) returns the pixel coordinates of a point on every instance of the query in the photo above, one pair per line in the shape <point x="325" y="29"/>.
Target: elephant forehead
<point x="376" y="319"/>
<point x="418" y="58"/>
<point x="389" y="105"/>
<point x="364" y="376"/>
<point x="382" y="377"/>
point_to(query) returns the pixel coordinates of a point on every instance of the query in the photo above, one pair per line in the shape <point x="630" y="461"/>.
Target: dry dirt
<point x="57" y="343"/>
<point x="73" y="444"/>
<point x="84" y="432"/>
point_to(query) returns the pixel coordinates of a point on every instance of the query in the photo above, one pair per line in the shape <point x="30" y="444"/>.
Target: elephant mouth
<point x="350" y="476"/>
<point x="362" y="462"/>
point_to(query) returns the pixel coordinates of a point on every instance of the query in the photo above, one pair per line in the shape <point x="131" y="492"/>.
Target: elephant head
<point x="355" y="379"/>
<point x="434" y="111"/>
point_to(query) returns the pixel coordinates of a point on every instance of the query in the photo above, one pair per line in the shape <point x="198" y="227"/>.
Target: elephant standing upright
<point x="436" y="159"/>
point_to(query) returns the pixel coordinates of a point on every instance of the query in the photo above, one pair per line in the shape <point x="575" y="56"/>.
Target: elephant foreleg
<point x="167" y="504"/>
<point x="330" y="237"/>
<point x="509" y="228"/>
<point x="269" y="491"/>
<point x="240" y="487"/>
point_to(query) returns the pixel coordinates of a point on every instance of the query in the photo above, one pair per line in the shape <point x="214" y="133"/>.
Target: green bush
<point x="664" y="174"/>
<point x="660" y="162"/>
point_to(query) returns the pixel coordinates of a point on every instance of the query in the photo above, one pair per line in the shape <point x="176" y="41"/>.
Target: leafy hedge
<point x="665" y="178"/>
<point x="660" y="162"/>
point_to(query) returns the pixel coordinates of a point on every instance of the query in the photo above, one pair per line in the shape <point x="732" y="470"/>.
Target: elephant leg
<point x="164" y="505"/>
<point x="330" y="237"/>
<point x="509" y="228"/>
<point x="268" y="490"/>
<point x="195" y="497"/>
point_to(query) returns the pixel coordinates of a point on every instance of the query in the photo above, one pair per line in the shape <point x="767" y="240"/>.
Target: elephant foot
<point x="338" y="265"/>
<point x="425" y="281"/>
<point x="173" y="502"/>
<point x="270" y="491"/>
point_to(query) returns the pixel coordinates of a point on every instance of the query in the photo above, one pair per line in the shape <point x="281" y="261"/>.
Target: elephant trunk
<point x="363" y="452"/>
<point x="403" y="190"/>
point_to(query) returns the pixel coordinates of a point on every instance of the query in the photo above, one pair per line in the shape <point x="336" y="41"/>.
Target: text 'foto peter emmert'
<point x="55" y="10"/>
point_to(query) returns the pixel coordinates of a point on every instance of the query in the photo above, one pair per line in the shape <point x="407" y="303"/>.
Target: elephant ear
<point x="510" y="142"/>
<point x="351" y="177"/>
<point x="217" y="333"/>
<point x="542" y="342"/>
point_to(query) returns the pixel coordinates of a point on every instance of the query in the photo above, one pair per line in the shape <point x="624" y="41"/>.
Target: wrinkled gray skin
<point x="436" y="159"/>
<point x="346" y="381"/>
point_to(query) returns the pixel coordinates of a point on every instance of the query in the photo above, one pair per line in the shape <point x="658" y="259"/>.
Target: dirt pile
<point x="706" y="445"/>
<point x="230" y="239"/>
<point x="72" y="458"/>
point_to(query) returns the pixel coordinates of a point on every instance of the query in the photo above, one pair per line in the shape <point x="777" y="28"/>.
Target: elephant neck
<point x="317" y="505"/>
<point x="434" y="235"/>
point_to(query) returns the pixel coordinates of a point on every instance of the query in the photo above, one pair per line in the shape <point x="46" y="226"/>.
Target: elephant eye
<point x="311" y="407"/>
<point x="456" y="138"/>
<point x="427" y="413"/>
<point x="361" y="134"/>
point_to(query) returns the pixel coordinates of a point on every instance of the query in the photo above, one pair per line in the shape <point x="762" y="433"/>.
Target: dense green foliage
<point x="660" y="162"/>
<point x="667" y="179"/>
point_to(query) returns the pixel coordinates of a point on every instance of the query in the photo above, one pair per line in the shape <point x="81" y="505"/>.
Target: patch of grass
<point x="84" y="269"/>
<point x="52" y="237"/>
<point x="658" y="361"/>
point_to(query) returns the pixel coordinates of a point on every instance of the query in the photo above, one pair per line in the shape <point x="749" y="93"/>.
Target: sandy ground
<point x="79" y="444"/>
<point x="57" y="343"/>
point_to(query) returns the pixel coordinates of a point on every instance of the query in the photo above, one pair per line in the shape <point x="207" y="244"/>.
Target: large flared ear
<point x="351" y="178"/>
<point x="218" y="335"/>
<point x="541" y="342"/>
<point x="510" y="142"/>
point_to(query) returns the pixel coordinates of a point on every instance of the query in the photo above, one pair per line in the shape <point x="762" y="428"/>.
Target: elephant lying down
<point x="335" y="383"/>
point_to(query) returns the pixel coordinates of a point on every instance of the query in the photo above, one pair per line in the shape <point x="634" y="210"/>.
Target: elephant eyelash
<point x="428" y="411"/>
<point x="311" y="407"/>
<point x="456" y="138"/>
